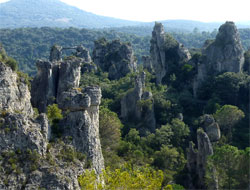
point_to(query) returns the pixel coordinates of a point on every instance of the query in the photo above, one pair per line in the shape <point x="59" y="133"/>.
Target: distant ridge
<point x="54" y="13"/>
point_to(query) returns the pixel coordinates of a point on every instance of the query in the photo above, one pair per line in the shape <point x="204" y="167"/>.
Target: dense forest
<point x="26" y="45"/>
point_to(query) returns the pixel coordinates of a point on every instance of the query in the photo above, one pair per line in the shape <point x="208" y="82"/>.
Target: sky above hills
<point x="152" y="10"/>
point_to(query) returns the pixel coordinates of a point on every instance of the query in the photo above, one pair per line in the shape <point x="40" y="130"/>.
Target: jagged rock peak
<point x="226" y="53"/>
<point x="116" y="58"/>
<point x="162" y="46"/>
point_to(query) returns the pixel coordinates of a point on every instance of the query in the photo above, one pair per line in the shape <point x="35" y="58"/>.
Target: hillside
<point x="53" y="13"/>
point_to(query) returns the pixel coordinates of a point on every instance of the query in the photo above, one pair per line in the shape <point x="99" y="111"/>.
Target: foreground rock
<point x="28" y="159"/>
<point x="114" y="57"/>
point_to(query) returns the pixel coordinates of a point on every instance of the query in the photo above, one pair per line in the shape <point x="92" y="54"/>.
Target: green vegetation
<point x="26" y="45"/>
<point x="232" y="167"/>
<point x="126" y="177"/>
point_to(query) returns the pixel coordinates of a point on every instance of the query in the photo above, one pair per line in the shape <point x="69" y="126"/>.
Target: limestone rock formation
<point x="197" y="161"/>
<point x="14" y="93"/>
<point x="28" y="159"/>
<point x="147" y="64"/>
<point x="81" y="105"/>
<point x="83" y="53"/>
<point x="211" y="127"/>
<point x="114" y="57"/>
<point x="55" y="53"/>
<point x="165" y="51"/>
<point x="43" y="89"/>
<point x="138" y="105"/>
<point x="226" y="52"/>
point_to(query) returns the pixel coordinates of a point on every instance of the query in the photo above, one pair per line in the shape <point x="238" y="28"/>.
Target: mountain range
<point x="54" y="13"/>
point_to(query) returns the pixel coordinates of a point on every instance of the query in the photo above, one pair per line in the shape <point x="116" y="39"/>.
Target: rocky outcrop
<point x="138" y="105"/>
<point x="81" y="106"/>
<point x="211" y="127"/>
<point x="44" y="85"/>
<point x="21" y="132"/>
<point x="55" y="53"/>
<point x="147" y="64"/>
<point x="197" y="162"/>
<point x="28" y="159"/>
<point x="82" y="122"/>
<point x="165" y="50"/>
<point x="14" y="93"/>
<point x="114" y="57"/>
<point x="224" y="54"/>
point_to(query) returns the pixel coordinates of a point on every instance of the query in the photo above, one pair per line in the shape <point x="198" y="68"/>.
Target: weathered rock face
<point x="114" y="57"/>
<point x="83" y="53"/>
<point x="24" y="138"/>
<point x="226" y="52"/>
<point x="165" y="52"/>
<point x="197" y="161"/>
<point x="14" y="93"/>
<point x="44" y="85"/>
<point x="69" y="76"/>
<point x="147" y="64"/>
<point x="55" y="53"/>
<point x="81" y="105"/>
<point x="82" y="123"/>
<point x="211" y="127"/>
<point x="138" y="105"/>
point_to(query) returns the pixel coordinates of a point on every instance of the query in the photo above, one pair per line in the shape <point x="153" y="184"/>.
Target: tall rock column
<point x="133" y="107"/>
<point x="157" y="51"/>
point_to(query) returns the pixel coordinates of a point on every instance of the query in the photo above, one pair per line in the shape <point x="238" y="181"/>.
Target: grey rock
<point x="114" y="57"/>
<point x="132" y="107"/>
<point x="211" y="127"/>
<point x="69" y="75"/>
<point x="14" y="94"/>
<point x="160" y="50"/>
<point x="226" y="52"/>
<point x="44" y="85"/>
<point x="197" y="162"/>
<point x="24" y="133"/>
<point x="83" y="53"/>
<point x="55" y="53"/>
<point x="147" y="64"/>
<point x="84" y="128"/>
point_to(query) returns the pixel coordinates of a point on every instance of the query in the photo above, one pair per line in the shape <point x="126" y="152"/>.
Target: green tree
<point x="180" y="132"/>
<point x="225" y="161"/>
<point x="227" y="116"/>
<point x="54" y="113"/>
<point x="110" y="135"/>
